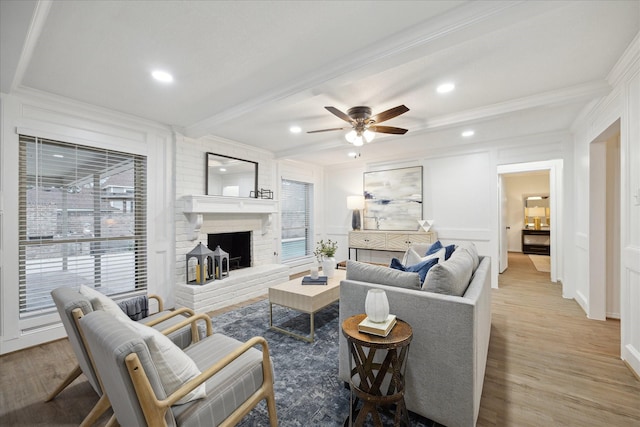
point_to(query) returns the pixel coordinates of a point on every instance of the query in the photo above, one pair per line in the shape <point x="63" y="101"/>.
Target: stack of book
<point x="320" y="280"/>
<point x="377" y="328"/>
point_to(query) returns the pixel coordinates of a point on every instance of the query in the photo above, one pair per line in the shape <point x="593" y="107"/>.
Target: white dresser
<point x="393" y="241"/>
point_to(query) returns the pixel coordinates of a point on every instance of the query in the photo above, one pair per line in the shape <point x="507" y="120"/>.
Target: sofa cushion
<point x="419" y="248"/>
<point x="412" y="257"/>
<point x="422" y="267"/>
<point x="473" y="251"/>
<point x="174" y="366"/>
<point x="449" y="251"/>
<point x="363" y="272"/>
<point x="452" y="276"/>
<point x="434" y="248"/>
<point x="100" y="301"/>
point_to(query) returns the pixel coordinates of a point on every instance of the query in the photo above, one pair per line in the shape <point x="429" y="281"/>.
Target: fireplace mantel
<point x="220" y="204"/>
<point x="195" y="206"/>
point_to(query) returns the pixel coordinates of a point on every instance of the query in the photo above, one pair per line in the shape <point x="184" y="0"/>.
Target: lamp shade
<point x="355" y="202"/>
<point x="536" y="211"/>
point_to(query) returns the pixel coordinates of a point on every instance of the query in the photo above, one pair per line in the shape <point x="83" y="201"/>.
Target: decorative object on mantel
<point x="202" y="272"/>
<point x="376" y="305"/>
<point x="355" y="203"/>
<point x="393" y="199"/>
<point x="262" y="193"/>
<point x="219" y="258"/>
<point x="425" y="224"/>
<point x="325" y="253"/>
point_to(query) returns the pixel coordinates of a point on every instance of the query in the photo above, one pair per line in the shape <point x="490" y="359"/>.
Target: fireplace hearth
<point x="237" y="244"/>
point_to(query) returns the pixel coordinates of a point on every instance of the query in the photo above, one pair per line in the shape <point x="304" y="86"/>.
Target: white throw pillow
<point x="174" y="366"/>
<point x="100" y="301"/>
<point x="413" y="257"/>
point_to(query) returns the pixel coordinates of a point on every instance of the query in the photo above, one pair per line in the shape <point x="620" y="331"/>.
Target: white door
<point x="503" y="225"/>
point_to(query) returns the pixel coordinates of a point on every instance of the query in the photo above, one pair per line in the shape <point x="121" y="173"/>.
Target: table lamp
<point x="355" y="203"/>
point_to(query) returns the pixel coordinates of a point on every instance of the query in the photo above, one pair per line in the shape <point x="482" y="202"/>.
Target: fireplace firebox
<point x="238" y="245"/>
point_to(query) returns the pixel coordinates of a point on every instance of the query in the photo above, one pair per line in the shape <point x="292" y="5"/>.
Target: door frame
<point x="555" y="168"/>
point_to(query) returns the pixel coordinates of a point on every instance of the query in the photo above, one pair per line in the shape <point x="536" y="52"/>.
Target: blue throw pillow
<point x="448" y="251"/>
<point x="434" y="248"/>
<point x="422" y="268"/>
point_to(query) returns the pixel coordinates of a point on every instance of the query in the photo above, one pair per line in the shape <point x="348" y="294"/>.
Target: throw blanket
<point x="136" y="308"/>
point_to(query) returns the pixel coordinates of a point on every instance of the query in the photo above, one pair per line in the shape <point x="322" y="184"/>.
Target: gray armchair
<point x="236" y="376"/>
<point x="67" y="299"/>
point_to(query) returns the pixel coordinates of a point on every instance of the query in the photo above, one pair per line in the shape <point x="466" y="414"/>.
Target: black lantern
<point x="219" y="257"/>
<point x="203" y="275"/>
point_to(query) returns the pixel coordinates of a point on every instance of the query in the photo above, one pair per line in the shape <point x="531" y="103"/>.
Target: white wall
<point x="622" y="104"/>
<point x="517" y="188"/>
<point x="459" y="189"/>
<point x="63" y="120"/>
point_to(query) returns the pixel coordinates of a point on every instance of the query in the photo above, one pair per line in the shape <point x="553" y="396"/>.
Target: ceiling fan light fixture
<point x="369" y="135"/>
<point x="351" y="136"/>
<point x="358" y="141"/>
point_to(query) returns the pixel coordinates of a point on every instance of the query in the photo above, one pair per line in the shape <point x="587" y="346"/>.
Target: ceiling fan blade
<point x="339" y="113"/>
<point x="389" y="129"/>
<point x="389" y="114"/>
<point x="324" y="130"/>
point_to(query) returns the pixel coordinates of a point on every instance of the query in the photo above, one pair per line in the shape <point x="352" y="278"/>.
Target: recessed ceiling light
<point x="59" y="156"/>
<point x="445" y="87"/>
<point x="222" y="170"/>
<point x="295" y="129"/>
<point x="162" y="76"/>
<point x="468" y="133"/>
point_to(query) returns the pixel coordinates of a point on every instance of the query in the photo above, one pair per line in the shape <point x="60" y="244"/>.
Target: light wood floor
<point x="548" y="365"/>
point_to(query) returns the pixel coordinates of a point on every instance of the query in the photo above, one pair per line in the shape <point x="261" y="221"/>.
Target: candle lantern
<point x="203" y="273"/>
<point x="219" y="267"/>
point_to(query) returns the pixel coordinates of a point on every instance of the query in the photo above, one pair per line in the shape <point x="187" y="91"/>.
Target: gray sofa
<point x="448" y="353"/>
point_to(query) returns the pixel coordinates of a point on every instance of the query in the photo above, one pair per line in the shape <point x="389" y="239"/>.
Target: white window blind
<point x="297" y="207"/>
<point x="82" y="220"/>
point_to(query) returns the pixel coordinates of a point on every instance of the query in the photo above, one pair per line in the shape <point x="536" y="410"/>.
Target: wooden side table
<point x="374" y="380"/>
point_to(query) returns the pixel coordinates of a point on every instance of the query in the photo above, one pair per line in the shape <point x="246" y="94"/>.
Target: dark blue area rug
<point x="307" y="388"/>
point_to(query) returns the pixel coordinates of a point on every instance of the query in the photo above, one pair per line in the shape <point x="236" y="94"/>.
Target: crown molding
<point x="626" y="63"/>
<point x="79" y="108"/>
<point x="411" y="40"/>
<point x="38" y="20"/>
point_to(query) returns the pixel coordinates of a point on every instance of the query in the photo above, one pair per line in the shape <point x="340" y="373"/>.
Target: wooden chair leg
<point x="68" y="380"/>
<point x="113" y="422"/>
<point x="97" y="411"/>
<point x="271" y="410"/>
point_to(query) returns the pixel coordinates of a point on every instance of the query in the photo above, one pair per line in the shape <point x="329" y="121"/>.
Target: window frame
<point x="309" y="189"/>
<point x="106" y="244"/>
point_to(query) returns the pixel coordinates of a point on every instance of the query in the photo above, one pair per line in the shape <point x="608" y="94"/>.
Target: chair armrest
<point x="147" y="397"/>
<point x="158" y="298"/>
<point x="192" y="321"/>
<point x="170" y="314"/>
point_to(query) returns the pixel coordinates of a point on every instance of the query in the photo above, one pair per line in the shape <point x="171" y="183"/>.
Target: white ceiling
<point x="248" y="70"/>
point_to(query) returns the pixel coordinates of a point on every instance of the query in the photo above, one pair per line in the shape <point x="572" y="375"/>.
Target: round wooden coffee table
<point x="377" y="366"/>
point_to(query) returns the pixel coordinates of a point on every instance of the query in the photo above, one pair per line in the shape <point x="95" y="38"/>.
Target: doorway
<point x="552" y="169"/>
<point x="604" y="224"/>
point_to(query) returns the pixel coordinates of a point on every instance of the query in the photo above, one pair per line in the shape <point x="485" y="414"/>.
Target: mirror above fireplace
<point x="231" y="177"/>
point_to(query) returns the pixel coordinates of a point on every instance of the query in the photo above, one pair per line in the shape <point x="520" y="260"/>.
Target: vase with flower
<point x="325" y="254"/>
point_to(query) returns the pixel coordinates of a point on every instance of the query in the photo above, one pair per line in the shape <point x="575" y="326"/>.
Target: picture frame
<point x="393" y="199"/>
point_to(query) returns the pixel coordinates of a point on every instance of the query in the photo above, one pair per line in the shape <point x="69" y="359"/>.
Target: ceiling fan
<point x="364" y="125"/>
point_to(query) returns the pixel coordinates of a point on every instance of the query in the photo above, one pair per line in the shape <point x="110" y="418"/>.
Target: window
<point x="297" y="206"/>
<point x="82" y="220"/>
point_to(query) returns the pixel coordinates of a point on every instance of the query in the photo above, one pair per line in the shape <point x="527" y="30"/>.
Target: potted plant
<point x="325" y="254"/>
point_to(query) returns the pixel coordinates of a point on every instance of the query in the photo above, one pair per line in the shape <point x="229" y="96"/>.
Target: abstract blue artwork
<point x="393" y="199"/>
